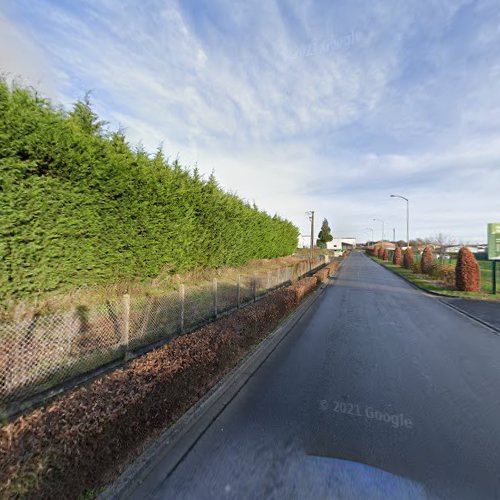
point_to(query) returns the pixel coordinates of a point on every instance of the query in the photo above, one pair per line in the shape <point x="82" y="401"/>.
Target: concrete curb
<point x="162" y="457"/>
<point x="444" y="295"/>
<point x="495" y="329"/>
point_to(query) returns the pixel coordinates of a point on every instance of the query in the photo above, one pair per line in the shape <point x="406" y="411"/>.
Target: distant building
<point x="337" y="244"/>
<point x="472" y="248"/>
<point x="341" y="244"/>
<point x="389" y="245"/>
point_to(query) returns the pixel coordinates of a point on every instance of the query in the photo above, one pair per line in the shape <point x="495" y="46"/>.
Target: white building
<point x="340" y="244"/>
<point x="337" y="244"/>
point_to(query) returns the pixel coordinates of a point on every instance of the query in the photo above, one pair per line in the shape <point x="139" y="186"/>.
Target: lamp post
<point x="383" y="227"/>
<point x="407" y="216"/>
<point x="370" y="229"/>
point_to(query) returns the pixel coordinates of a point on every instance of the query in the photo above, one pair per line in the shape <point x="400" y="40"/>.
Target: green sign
<point x="494" y="241"/>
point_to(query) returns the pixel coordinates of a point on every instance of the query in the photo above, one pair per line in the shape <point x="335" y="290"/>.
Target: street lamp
<point x="383" y="227"/>
<point x="407" y="216"/>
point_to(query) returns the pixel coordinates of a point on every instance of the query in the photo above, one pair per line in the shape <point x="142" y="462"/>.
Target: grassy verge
<point x="166" y="282"/>
<point x="434" y="285"/>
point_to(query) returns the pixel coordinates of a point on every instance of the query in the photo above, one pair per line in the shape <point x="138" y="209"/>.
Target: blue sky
<point x="322" y="105"/>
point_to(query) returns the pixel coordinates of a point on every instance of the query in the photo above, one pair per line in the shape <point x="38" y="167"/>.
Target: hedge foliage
<point x="75" y="443"/>
<point x="444" y="273"/>
<point x="79" y="206"/>
<point x="408" y="258"/>
<point x="426" y="260"/>
<point x="397" y="258"/>
<point x="467" y="273"/>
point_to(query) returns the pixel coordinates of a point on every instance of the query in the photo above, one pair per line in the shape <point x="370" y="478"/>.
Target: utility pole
<point x="371" y="229"/>
<point x="311" y="218"/>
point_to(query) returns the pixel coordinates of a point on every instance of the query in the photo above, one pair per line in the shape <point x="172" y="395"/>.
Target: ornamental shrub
<point x="380" y="252"/>
<point x="397" y="259"/>
<point x="426" y="260"/>
<point x="385" y="254"/>
<point x="444" y="273"/>
<point x="408" y="259"/>
<point x="467" y="275"/>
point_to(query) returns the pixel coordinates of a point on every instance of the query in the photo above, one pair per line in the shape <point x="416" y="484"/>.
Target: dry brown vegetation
<point x="397" y="259"/>
<point x="467" y="274"/>
<point x="76" y="442"/>
<point x="164" y="283"/>
<point x="408" y="259"/>
<point x="426" y="260"/>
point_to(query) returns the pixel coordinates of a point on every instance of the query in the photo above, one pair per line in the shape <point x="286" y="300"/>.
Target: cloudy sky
<point x="323" y="105"/>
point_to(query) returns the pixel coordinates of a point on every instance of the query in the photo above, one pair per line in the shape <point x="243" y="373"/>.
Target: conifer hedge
<point x="79" y="206"/>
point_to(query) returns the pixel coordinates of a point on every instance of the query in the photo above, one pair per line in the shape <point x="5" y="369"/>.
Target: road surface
<point x="378" y="392"/>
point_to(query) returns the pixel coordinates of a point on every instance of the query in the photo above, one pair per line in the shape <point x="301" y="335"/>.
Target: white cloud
<point x="312" y="107"/>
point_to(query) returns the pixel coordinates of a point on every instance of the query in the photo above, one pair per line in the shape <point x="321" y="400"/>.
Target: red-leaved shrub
<point x="426" y="260"/>
<point x="397" y="258"/>
<point x="380" y="253"/>
<point x="385" y="254"/>
<point x="408" y="259"/>
<point x="76" y="442"/>
<point x="467" y="275"/>
<point x="322" y="275"/>
<point x="332" y="267"/>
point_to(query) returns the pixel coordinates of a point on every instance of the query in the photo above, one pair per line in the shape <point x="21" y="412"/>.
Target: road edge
<point x="414" y="285"/>
<point x="495" y="329"/>
<point x="175" y="442"/>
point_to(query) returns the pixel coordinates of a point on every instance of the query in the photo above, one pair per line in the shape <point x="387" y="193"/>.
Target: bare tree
<point x="441" y="241"/>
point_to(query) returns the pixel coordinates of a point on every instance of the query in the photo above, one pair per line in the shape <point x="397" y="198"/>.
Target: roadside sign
<point x="494" y="241"/>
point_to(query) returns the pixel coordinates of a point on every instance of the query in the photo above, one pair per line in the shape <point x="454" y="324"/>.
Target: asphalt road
<point x="378" y="392"/>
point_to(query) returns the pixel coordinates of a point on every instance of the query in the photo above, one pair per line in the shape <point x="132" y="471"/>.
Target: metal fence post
<point x="126" y="325"/>
<point x="214" y="290"/>
<point x="238" y="292"/>
<point x="182" y="295"/>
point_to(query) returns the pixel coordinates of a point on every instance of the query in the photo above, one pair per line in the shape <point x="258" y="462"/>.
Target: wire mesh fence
<point x="40" y="352"/>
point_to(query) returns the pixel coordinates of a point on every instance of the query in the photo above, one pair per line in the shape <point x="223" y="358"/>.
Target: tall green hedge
<point x="80" y="206"/>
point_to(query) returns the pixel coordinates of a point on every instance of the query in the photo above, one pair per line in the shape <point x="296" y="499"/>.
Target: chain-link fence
<point x="38" y="353"/>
